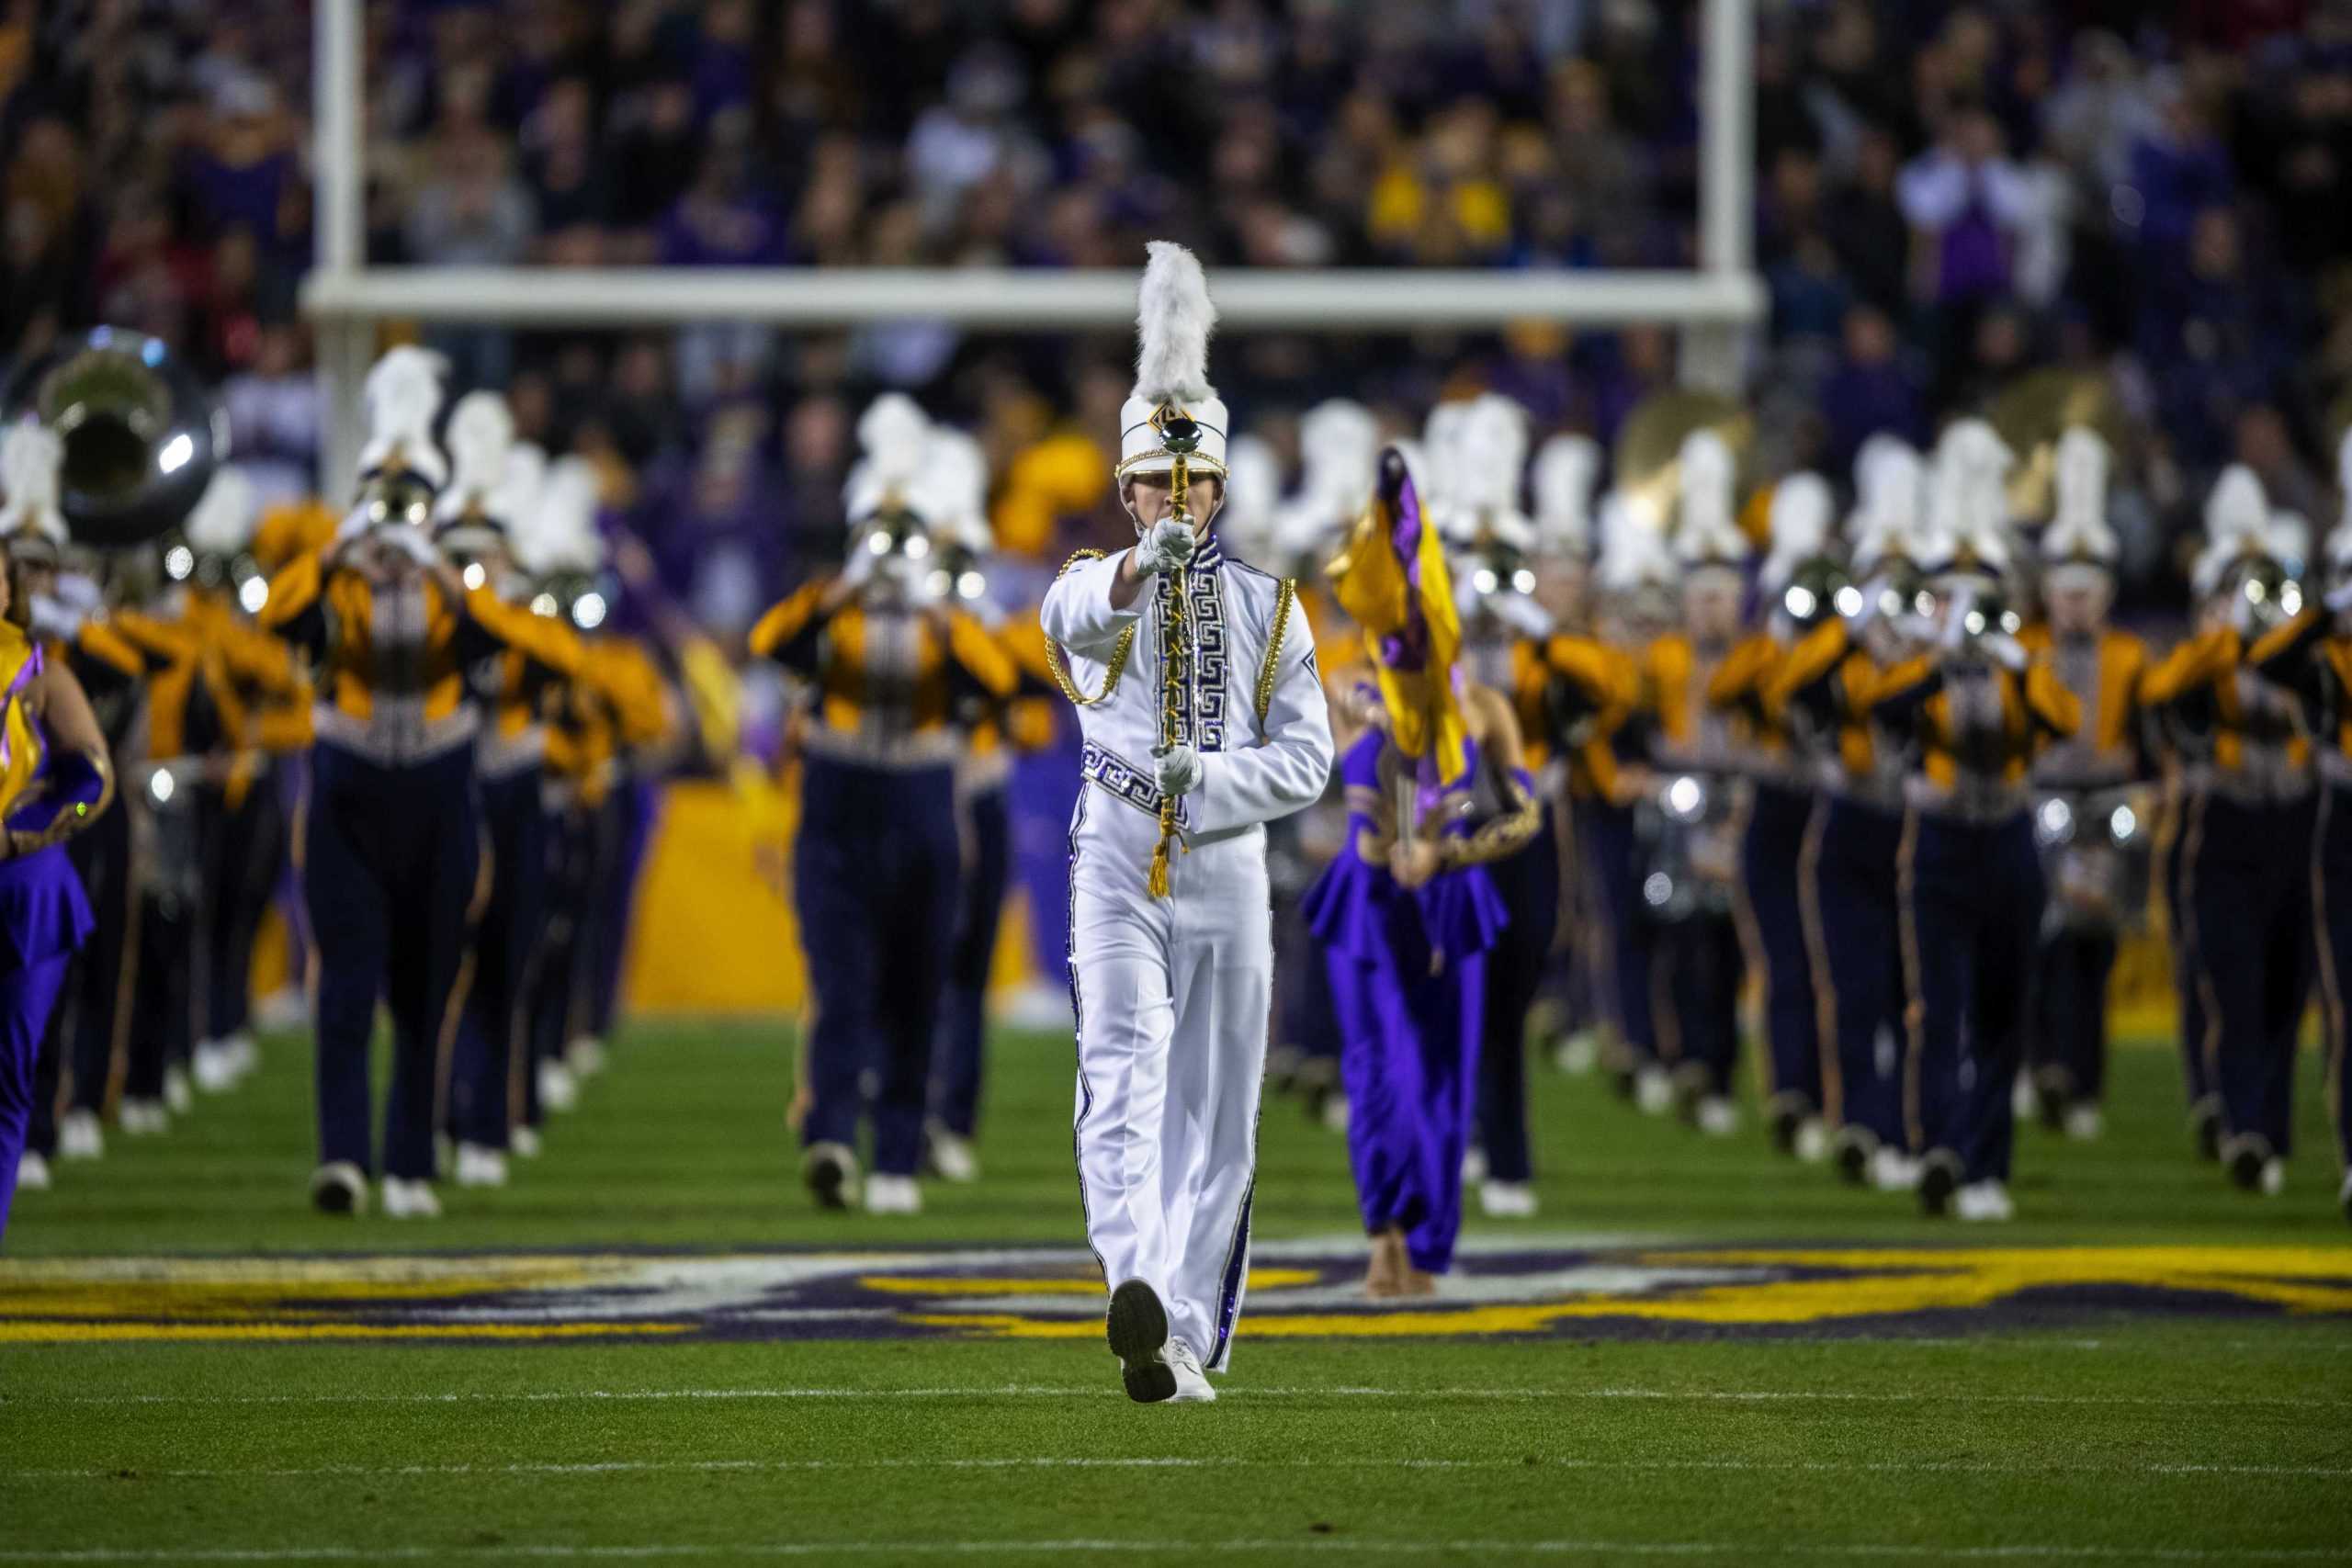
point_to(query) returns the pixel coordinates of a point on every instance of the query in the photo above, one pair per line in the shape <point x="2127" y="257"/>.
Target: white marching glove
<point x="1521" y="613"/>
<point x="1177" y="770"/>
<point x="858" y="570"/>
<point x="1875" y="592"/>
<point x="54" y="620"/>
<point x="1165" y="547"/>
<point x="410" y="541"/>
<point x="2006" y="651"/>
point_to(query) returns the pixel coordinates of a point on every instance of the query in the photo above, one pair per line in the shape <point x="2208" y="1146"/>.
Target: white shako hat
<point x="1484" y="469"/>
<point x="31" y="457"/>
<point x="1173" y="320"/>
<point x="224" y="517"/>
<point x="402" y="394"/>
<point x="2078" y="540"/>
<point x="1566" y="469"/>
<point x="893" y="439"/>
<point x="1707" y="533"/>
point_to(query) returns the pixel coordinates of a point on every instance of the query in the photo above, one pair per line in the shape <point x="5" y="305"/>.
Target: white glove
<point x="858" y="570"/>
<point x="1956" y="618"/>
<point x="1177" y="769"/>
<point x="1521" y="613"/>
<point x="410" y="540"/>
<point x="1874" y="593"/>
<point x="1165" y="548"/>
<point x="54" y="620"/>
<point x="2340" y="598"/>
<point x="2005" y="650"/>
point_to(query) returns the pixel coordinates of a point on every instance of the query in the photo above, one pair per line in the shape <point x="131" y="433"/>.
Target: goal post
<point x="346" y="298"/>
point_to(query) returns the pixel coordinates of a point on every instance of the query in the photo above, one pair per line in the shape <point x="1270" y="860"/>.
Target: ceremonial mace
<point x="1181" y="436"/>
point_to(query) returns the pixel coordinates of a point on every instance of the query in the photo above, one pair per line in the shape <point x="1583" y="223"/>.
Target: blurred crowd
<point x="1949" y="197"/>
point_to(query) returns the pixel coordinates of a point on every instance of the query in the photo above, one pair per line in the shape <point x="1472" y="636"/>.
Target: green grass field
<point x="651" y="1348"/>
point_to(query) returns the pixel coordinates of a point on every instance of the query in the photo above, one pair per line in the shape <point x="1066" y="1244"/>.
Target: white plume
<point x="1491" y="455"/>
<point x="403" y="395"/>
<point x="561" y="536"/>
<point x="517" y="495"/>
<point x="481" y="435"/>
<point x="1567" y="467"/>
<point x="2237" y="523"/>
<point x="31" y="457"/>
<point x="952" y="493"/>
<point x="2078" y="529"/>
<point x="2289" y="541"/>
<point x="1441" y="461"/>
<point x="1801" y="509"/>
<point x="1967" y="505"/>
<point x="892" y="435"/>
<point x="1339" y="449"/>
<point x="1706" y="530"/>
<point x="1173" y="320"/>
<point x="1889" y="480"/>
<point x="1254" y="495"/>
<point x="1634" y="552"/>
<point x="223" y="519"/>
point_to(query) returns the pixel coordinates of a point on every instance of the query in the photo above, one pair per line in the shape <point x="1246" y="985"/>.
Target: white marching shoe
<point x="1507" y="1200"/>
<point x="244" y="1052"/>
<point x="1716" y="1117"/>
<point x="950" y="1156"/>
<point x="339" y="1188"/>
<point x="213" y="1066"/>
<point x="1578" y="1054"/>
<point x="479" y="1165"/>
<point x="1891" y="1170"/>
<point x="1136" y="1326"/>
<point x="2025" y="1101"/>
<point x="32" y="1173"/>
<point x="830" y="1172"/>
<point x="2084" y="1123"/>
<point x="1654" y="1090"/>
<point x="1192" y="1383"/>
<point x="79" y="1136"/>
<point x="1982" y="1203"/>
<point x="2274" y="1177"/>
<point x="887" y="1194"/>
<point x="559" y="1090"/>
<point x="179" y="1093"/>
<point x="405" y="1199"/>
<point x="586" y="1057"/>
<point x="145" y="1117"/>
<point x="1474" y="1165"/>
<point x="523" y="1142"/>
<point x="1812" y="1141"/>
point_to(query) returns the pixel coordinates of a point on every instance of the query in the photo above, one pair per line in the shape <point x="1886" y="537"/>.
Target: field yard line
<point x="1606" y="1549"/>
<point x="1242" y="1389"/>
<point x="634" y="1467"/>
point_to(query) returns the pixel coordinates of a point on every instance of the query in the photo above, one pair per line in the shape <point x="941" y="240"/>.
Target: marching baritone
<point x="897" y="674"/>
<point x="1204" y="719"/>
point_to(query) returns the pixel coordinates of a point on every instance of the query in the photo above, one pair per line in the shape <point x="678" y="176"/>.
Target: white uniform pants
<point x="1172" y="997"/>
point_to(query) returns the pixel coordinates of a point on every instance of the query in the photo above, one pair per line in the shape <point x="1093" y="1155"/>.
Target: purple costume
<point x="1408" y="971"/>
<point x="43" y="918"/>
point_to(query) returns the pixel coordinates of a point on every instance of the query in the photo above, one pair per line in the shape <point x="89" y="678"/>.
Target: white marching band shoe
<point x="1984" y="1201"/>
<point x="887" y="1194"/>
<point x="144" y="1118"/>
<point x="32" y="1173"/>
<point x="339" y="1188"/>
<point x="558" y="1089"/>
<point x="80" y="1135"/>
<point x="1716" y="1117"/>
<point x="1654" y="1090"/>
<point x="1192" y="1385"/>
<point x="2084" y="1123"/>
<point x="1506" y="1199"/>
<point x="212" y="1066"/>
<point x="1891" y="1170"/>
<point x="179" y="1093"/>
<point x="479" y="1165"/>
<point x="405" y="1199"/>
<point x="950" y="1156"/>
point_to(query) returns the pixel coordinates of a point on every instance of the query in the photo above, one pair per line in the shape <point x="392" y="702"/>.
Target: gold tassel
<point x="1157" y="884"/>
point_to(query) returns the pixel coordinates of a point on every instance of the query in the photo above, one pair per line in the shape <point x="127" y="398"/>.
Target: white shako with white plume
<point x="1203" y="719"/>
<point x="1566" y="469"/>
<point x="1706" y="535"/>
<point x="1339" y="453"/>
<point x="2078" y="547"/>
<point x="1490" y="542"/>
<point x="31" y="518"/>
<point x="2339" y="545"/>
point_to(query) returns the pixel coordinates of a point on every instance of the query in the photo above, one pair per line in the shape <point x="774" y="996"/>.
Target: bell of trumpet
<point x="142" y="436"/>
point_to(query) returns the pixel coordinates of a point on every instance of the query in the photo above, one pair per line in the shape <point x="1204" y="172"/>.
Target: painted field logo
<point x="1293" y="1289"/>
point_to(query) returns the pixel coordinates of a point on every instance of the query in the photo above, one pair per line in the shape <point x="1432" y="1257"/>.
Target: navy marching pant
<point x="391" y="859"/>
<point x="2175" y="859"/>
<point x="1771" y="853"/>
<point x="1613" y="853"/>
<point x="963" y="1017"/>
<point x="1972" y="899"/>
<point x="2071" y="970"/>
<point x="1528" y="882"/>
<point x="86" y="1019"/>
<point x="243" y="845"/>
<point x="553" y="1007"/>
<point x="2247" y="888"/>
<point x="875" y="867"/>
<point x="1853" y="927"/>
<point x="2332" y="910"/>
<point x="492" y="1032"/>
<point x="1696" y="968"/>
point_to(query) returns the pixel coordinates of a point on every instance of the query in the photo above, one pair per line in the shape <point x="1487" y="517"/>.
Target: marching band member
<point x="2084" y="814"/>
<point x="1798" y="584"/>
<point x="895" y="674"/>
<point x="1608" y="772"/>
<point x="2247" y="794"/>
<point x="1405" y="915"/>
<point x="1492" y="552"/>
<point x="494" y="486"/>
<point x="1979" y="707"/>
<point x="1204" y="720"/>
<point x="2311" y="656"/>
<point x="56" y="777"/>
<point x="391" y="852"/>
<point x="1689" y="817"/>
<point x="1847" y="870"/>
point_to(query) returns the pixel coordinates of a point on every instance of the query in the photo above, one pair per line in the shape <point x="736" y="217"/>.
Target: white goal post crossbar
<point x="346" y="298"/>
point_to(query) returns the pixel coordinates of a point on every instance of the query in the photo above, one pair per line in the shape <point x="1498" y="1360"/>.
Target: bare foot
<point x="1417" y="1283"/>
<point x="1385" y="1277"/>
